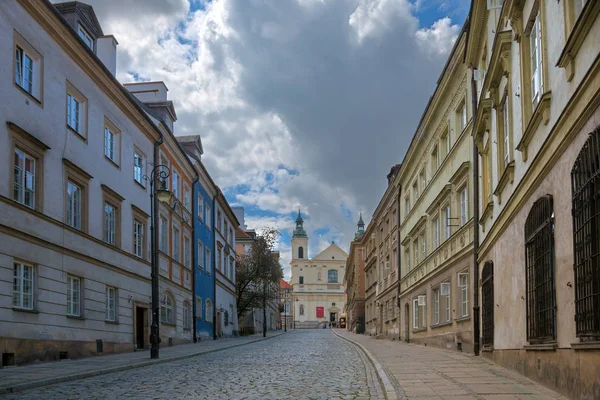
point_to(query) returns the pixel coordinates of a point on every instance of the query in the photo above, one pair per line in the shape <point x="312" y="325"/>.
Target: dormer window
<point x="86" y="37"/>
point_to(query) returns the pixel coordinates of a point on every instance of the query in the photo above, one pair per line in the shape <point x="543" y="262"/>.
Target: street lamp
<point x="163" y="194"/>
<point x="295" y="313"/>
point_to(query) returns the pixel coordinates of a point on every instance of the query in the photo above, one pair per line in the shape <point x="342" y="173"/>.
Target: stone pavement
<point x="427" y="373"/>
<point x="18" y="378"/>
<point x="303" y="364"/>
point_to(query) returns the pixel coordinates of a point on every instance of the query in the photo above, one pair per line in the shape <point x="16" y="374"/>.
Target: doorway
<point x="407" y="323"/>
<point x="219" y="331"/>
<point x="140" y="327"/>
<point x="332" y="316"/>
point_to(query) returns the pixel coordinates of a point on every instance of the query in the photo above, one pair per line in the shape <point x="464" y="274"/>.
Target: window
<point x="176" y="183"/>
<point x="232" y="268"/>
<point x="186" y="251"/>
<point x="407" y="256"/>
<point x="434" y="160"/>
<point x="73" y="112"/>
<point x="436" y="232"/>
<point x="110" y="224"/>
<point x="445" y="298"/>
<point x="73" y="205"/>
<point x="487" y="304"/>
<point x="23" y="281"/>
<point x="463" y="290"/>
<point x="535" y="48"/>
<point x="139" y="162"/>
<point x="208" y="261"/>
<point x="187" y="315"/>
<point x="111" y="304"/>
<point x="300" y="252"/>
<point x="176" y="244"/>
<point x="387" y="311"/>
<point x="419" y="312"/>
<point x="301" y="280"/>
<point x="86" y="37"/>
<point x="208" y="217"/>
<point x="585" y="184"/>
<point x="187" y="197"/>
<point x="219" y="260"/>
<point x="436" y="307"/>
<point x="464" y="205"/>
<point x="138" y="238"/>
<point x="447" y="141"/>
<point x="301" y="309"/>
<point x="73" y="296"/>
<point x="423" y="179"/>
<point x="423" y="245"/>
<point x="200" y="255"/>
<point x="407" y="205"/>
<point x="164" y="238"/>
<point x="416" y="190"/>
<point x="219" y="221"/>
<point x="231" y="236"/>
<point x="416" y="251"/>
<point x="200" y="207"/>
<point x="225" y="231"/>
<point x="198" y="307"/>
<point x="494" y="4"/>
<point x="28" y="67"/>
<point x="462" y="116"/>
<point x="166" y="309"/>
<point x="24" y="178"/>
<point x="539" y="272"/>
<point x="447" y="222"/>
<point x="332" y="276"/>
<point x="110" y="144"/>
<point x="505" y="134"/>
<point x="209" y="311"/>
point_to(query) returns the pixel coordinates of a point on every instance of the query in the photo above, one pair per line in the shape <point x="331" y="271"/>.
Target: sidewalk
<point x="15" y="379"/>
<point x="427" y="373"/>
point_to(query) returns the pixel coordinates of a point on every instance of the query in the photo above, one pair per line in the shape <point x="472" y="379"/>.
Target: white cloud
<point x="440" y="38"/>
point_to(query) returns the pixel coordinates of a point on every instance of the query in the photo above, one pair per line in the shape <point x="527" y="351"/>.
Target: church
<point x="317" y="282"/>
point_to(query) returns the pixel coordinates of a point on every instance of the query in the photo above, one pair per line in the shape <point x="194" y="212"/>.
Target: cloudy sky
<point x="300" y="103"/>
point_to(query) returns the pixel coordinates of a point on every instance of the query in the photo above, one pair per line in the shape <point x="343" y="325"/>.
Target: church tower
<point x="299" y="240"/>
<point x="361" y="228"/>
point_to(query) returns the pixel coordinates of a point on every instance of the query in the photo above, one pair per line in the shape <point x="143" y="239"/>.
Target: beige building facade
<point x="318" y="293"/>
<point x="538" y="136"/>
<point x="354" y="281"/>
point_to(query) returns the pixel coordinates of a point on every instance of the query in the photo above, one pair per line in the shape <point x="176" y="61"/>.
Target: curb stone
<point x="388" y="388"/>
<point x="89" y="374"/>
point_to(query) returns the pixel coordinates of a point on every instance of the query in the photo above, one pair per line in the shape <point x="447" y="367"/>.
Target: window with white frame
<point x="28" y="64"/>
<point x="407" y="204"/>
<point x="219" y="261"/>
<point x="462" y="116"/>
<point x="110" y="223"/>
<point x="200" y="207"/>
<point x="423" y="240"/>
<point x="208" y="261"/>
<point x="434" y="160"/>
<point x="232" y="268"/>
<point x="535" y="47"/>
<point x="407" y="256"/>
<point x="200" y="255"/>
<point x="448" y="141"/>
<point x="416" y="251"/>
<point x="463" y="287"/>
<point x="164" y="237"/>
<point x="73" y="296"/>
<point x="447" y="222"/>
<point x="167" y="309"/>
<point x="435" y="227"/>
<point x="187" y="197"/>
<point x="464" y="205"/>
<point x="225" y="266"/>
<point x="187" y="314"/>
<point x="436" y="307"/>
<point x="86" y="37"/>
<point x="219" y="221"/>
<point x="445" y="300"/>
<point x="73" y="205"/>
<point x="24" y="178"/>
<point x="419" y="310"/>
<point x="415" y="190"/>
<point x="73" y="112"/>
<point x="225" y="230"/>
<point x="209" y="311"/>
<point x="186" y="251"/>
<point x="208" y="217"/>
<point x="505" y="133"/>
<point x="423" y="177"/>
<point x="23" y="285"/>
<point x="111" y="304"/>
<point x="138" y="167"/>
<point x="76" y="110"/>
<point x="24" y="70"/>
<point x="138" y="238"/>
<point x="110" y="144"/>
<point x="578" y="7"/>
<point x="199" y="307"/>
<point x="176" y="244"/>
<point x="176" y="183"/>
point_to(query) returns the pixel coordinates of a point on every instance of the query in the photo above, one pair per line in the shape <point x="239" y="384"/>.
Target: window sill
<point x="26" y="310"/>
<point x="541" y="347"/>
<point x="487" y="213"/>
<point x="111" y="322"/>
<point x="461" y="319"/>
<point x="140" y="184"/>
<point x="78" y="134"/>
<point x="168" y="324"/>
<point x="508" y="176"/>
<point x="79" y="317"/>
<point x="441" y="325"/>
<point x="419" y="330"/>
<point x="541" y="114"/>
<point x="487" y="349"/>
<point x="595" y="345"/>
<point x="112" y="162"/>
<point x="26" y="93"/>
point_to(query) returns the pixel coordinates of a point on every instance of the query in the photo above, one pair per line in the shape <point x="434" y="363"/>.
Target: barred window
<point x="585" y="181"/>
<point x="487" y="312"/>
<point x="539" y="272"/>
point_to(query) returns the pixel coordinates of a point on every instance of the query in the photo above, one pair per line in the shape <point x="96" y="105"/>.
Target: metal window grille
<point x="487" y="312"/>
<point x="585" y="181"/>
<point x="539" y="272"/>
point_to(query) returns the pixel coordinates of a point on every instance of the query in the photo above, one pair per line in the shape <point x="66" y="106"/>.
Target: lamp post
<point x="285" y="311"/>
<point x="295" y="313"/>
<point x="160" y="172"/>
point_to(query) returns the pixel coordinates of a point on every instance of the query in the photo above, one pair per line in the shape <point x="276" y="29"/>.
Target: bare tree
<point x="255" y="270"/>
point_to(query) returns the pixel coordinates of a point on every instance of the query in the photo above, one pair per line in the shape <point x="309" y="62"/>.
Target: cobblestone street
<point x="311" y="364"/>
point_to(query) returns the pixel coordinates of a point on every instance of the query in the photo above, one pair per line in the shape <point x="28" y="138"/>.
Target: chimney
<point x="106" y="50"/>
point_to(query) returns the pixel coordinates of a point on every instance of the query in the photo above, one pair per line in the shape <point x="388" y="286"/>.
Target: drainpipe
<point x="154" y="250"/>
<point x="399" y="259"/>
<point x="195" y="248"/>
<point x="476" y="334"/>
<point x="214" y="268"/>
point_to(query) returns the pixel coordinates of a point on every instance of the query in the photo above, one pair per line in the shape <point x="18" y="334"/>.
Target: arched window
<point x="487" y="297"/>
<point x="187" y="314"/>
<point x="301" y="309"/>
<point x="300" y="252"/>
<point x="167" y="307"/>
<point x="208" y="313"/>
<point x="539" y="272"/>
<point x="585" y="184"/>
<point x="332" y="276"/>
